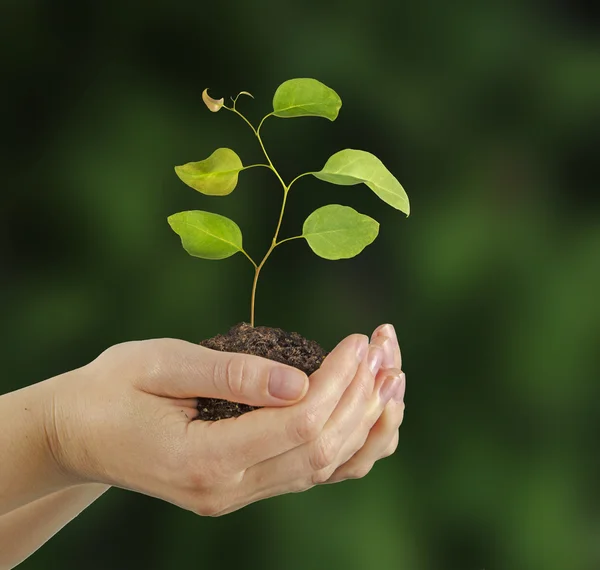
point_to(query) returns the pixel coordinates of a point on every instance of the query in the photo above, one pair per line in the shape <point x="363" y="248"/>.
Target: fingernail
<point x="389" y="330"/>
<point x="375" y="359"/>
<point x="389" y="360"/>
<point x="389" y="387"/>
<point x="399" y="393"/>
<point x="286" y="383"/>
<point x="389" y="348"/>
<point x="363" y="345"/>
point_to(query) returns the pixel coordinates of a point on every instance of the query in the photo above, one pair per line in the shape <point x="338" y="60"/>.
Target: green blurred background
<point x="487" y="112"/>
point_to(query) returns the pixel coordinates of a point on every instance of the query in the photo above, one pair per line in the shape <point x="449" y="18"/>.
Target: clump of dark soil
<point x="276" y="344"/>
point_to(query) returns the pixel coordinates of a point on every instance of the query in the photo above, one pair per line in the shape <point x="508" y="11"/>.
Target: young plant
<point x="332" y="232"/>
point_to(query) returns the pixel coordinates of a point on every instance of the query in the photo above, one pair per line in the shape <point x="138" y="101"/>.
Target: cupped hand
<point x="381" y="439"/>
<point x="127" y="419"/>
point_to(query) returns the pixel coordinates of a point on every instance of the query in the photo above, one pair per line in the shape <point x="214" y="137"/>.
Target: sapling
<point x="332" y="232"/>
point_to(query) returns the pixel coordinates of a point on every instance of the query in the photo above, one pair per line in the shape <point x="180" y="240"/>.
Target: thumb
<point x="252" y="380"/>
<point x="244" y="378"/>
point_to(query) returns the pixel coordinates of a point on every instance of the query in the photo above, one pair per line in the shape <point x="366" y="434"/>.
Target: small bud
<point x="245" y="93"/>
<point x="213" y="104"/>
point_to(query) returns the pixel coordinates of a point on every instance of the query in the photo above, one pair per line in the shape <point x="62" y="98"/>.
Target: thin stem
<point x="257" y="272"/>
<point x="287" y="239"/>
<point x="250" y="259"/>
<point x="285" y="194"/>
<point x="257" y="134"/>
<point x="269" y="160"/>
<point x="255" y="283"/>
<point x="264" y="259"/>
<point x="286" y="189"/>
<point x="262" y="121"/>
<point x="298" y="178"/>
<point x="255" y="165"/>
<point x="234" y="110"/>
<point x="253" y="298"/>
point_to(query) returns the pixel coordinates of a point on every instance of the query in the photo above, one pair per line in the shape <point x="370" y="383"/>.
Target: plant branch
<point x="298" y="178"/>
<point x="264" y="259"/>
<point x="262" y="121"/>
<point x="285" y="194"/>
<point x="286" y="188"/>
<point x="255" y="283"/>
<point x="260" y="141"/>
<point x="250" y="259"/>
<point x="256" y="165"/>
<point x="234" y="110"/>
<point x="287" y="239"/>
<point x="257" y="133"/>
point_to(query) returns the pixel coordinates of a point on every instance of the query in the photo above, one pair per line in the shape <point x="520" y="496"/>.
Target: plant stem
<point x="285" y="194"/>
<point x="255" y="166"/>
<point x="287" y="239"/>
<point x="274" y="244"/>
<point x="260" y="141"/>
<point x="255" y="283"/>
<point x="252" y="260"/>
<point x="286" y="189"/>
<point x="298" y="178"/>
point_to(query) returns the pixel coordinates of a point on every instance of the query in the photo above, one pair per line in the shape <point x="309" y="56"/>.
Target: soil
<point x="276" y="344"/>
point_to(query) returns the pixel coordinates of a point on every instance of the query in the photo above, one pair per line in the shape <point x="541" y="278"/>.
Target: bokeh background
<point x="487" y="112"/>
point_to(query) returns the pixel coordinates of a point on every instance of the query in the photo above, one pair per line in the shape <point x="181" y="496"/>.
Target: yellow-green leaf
<point x="216" y="176"/>
<point x="245" y="93"/>
<point x="207" y="235"/>
<point x="306" y="98"/>
<point x="350" y="166"/>
<point x="339" y="232"/>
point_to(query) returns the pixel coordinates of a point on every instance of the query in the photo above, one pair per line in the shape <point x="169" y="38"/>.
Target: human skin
<point x="25" y="529"/>
<point x="126" y="420"/>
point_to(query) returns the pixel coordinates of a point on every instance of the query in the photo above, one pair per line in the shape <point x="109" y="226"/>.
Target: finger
<point x="381" y="442"/>
<point x="392" y="446"/>
<point x="386" y="385"/>
<point x="261" y="434"/>
<point x="379" y="445"/>
<point x="393" y="356"/>
<point x="383" y="343"/>
<point x="186" y="370"/>
<point x="344" y="472"/>
<point x="305" y="463"/>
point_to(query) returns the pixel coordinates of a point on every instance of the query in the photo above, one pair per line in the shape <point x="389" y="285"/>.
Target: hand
<point x="126" y="420"/>
<point x="382" y="438"/>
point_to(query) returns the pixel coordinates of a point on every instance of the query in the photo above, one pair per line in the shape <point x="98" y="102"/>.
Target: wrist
<point x="63" y="427"/>
<point x="30" y="470"/>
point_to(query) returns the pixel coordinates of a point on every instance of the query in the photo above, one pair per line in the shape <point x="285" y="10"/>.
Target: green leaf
<point x="216" y="176"/>
<point x="306" y="98"/>
<point x="349" y="167"/>
<point x="339" y="232"/>
<point x="207" y="235"/>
